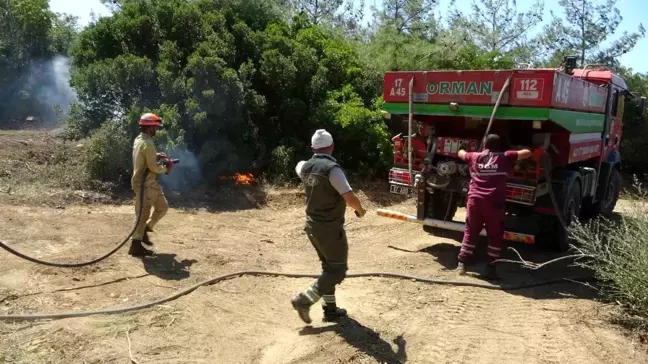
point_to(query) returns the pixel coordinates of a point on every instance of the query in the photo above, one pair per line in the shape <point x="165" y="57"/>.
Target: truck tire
<point x="552" y="234"/>
<point x="611" y="196"/>
<point x="438" y="209"/>
<point x="607" y="204"/>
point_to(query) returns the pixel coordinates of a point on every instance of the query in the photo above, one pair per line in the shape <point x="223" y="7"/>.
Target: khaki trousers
<point x="153" y="198"/>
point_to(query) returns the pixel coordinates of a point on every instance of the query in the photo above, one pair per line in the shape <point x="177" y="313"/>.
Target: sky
<point x="630" y="10"/>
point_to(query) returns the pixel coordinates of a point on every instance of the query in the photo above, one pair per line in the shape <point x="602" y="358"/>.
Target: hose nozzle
<point x="165" y="162"/>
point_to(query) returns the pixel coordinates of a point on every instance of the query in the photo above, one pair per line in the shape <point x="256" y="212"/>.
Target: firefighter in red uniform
<point x="486" y="198"/>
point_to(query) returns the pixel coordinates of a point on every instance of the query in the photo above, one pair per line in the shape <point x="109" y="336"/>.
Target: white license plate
<point x="401" y="190"/>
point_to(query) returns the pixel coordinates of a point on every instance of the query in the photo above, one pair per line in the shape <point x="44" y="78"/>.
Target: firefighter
<point x="486" y="199"/>
<point x="145" y="157"/>
<point x="327" y="195"/>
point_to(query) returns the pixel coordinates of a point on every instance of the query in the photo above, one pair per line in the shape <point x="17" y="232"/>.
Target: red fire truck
<point x="575" y="114"/>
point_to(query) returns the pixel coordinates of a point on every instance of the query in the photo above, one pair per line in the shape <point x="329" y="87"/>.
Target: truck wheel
<point x="612" y="191"/>
<point x="438" y="209"/>
<point x="552" y="234"/>
<point x="607" y="204"/>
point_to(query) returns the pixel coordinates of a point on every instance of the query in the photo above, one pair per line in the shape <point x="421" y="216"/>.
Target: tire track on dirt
<point x="450" y="319"/>
<point x="478" y="328"/>
<point x="474" y="319"/>
<point x="516" y="330"/>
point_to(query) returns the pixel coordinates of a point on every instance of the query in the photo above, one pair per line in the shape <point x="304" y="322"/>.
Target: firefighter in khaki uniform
<point x="327" y="195"/>
<point x="145" y="157"/>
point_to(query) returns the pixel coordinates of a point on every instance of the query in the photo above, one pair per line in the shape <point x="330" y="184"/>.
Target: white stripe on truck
<point x="574" y="138"/>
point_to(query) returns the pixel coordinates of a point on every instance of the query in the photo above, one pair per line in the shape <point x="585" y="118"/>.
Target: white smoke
<point x="49" y="83"/>
<point x="185" y="175"/>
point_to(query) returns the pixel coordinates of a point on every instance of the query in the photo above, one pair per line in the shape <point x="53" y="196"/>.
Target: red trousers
<point x="483" y="213"/>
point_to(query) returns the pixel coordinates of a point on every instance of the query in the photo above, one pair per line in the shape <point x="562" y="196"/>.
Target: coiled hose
<point x="112" y="311"/>
<point x="11" y="250"/>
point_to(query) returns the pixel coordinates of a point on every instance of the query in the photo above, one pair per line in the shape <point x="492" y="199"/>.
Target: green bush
<point x="618" y="254"/>
<point x="282" y="164"/>
<point x="362" y="141"/>
<point x="76" y="125"/>
<point x="109" y="154"/>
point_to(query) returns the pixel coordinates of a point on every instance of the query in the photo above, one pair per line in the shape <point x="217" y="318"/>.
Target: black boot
<point x="332" y="312"/>
<point x="137" y="250"/>
<point x="302" y="307"/>
<point x="146" y="237"/>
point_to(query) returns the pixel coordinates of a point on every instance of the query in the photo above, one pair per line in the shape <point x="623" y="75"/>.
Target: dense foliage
<point x="234" y="81"/>
<point x="242" y="84"/>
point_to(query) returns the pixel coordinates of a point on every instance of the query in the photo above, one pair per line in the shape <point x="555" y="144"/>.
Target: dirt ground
<point x="250" y="320"/>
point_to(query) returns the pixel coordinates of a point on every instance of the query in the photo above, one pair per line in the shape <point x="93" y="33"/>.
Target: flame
<point x="240" y="179"/>
<point x="243" y="179"/>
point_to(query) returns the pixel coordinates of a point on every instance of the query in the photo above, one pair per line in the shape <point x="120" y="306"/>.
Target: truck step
<point x="451" y="225"/>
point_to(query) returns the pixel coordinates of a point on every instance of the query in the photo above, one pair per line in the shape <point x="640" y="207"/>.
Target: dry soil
<point x="250" y="320"/>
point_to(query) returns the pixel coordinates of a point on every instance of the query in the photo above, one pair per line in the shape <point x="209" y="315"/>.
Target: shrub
<point x="619" y="256"/>
<point x="362" y="143"/>
<point x="282" y="164"/>
<point x="108" y="154"/>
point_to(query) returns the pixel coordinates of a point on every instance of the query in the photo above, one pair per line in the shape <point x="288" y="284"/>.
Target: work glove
<point x="360" y="213"/>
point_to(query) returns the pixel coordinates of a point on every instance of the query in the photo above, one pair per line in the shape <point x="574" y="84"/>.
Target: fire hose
<point x="13" y="251"/>
<point x="185" y="291"/>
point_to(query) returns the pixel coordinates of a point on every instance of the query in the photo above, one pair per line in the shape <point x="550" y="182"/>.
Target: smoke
<point x="185" y="175"/>
<point x="42" y="91"/>
<point x="49" y="85"/>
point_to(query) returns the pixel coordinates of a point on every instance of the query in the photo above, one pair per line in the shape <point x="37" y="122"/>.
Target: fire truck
<point x="576" y="115"/>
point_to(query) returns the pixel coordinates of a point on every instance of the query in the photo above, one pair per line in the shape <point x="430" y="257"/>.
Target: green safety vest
<point x="323" y="202"/>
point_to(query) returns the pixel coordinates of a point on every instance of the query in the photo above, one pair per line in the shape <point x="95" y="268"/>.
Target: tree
<point x="319" y="11"/>
<point x="588" y="24"/>
<point x="495" y="26"/>
<point x="413" y="17"/>
<point x="64" y="30"/>
<point x="343" y="14"/>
